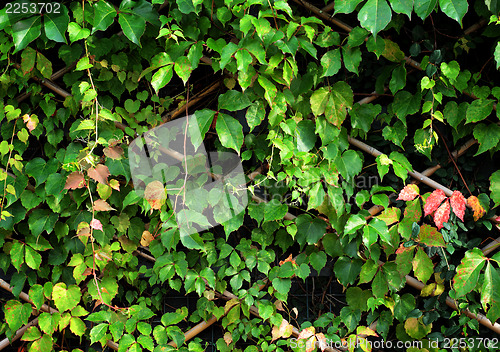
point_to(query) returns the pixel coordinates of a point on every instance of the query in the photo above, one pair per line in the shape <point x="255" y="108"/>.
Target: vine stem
<point x="453" y="160"/>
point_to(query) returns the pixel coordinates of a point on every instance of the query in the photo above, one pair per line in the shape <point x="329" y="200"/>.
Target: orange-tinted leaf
<point x="289" y="259"/>
<point x="322" y="342"/>
<point x="100" y="173"/>
<point x="115" y="184"/>
<point x="430" y="236"/>
<point x="228" y="338"/>
<point x="479" y="211"/>
<point x="458" y="201"/>
<point x="311" y="344"/>
<point x="114" y="152"/>
<point x="365" y="331"/>
<point x="96" y="224"/>
<point x="102" y="205"/>
<point x="409" y="192"/>
<point x="442" y="214"/>
<point x="284" y="330"/>
<point x="31" y="121"/>
<point x="434" y="201"/>
<point x="155" y="194"/>
<point x="83" y="229"/>
<point x="306" y="333"/>
<point x="146" y="238"/>
<point x="75" y="180"/>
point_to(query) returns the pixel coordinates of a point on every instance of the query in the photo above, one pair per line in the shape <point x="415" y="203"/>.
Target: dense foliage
<point x="290" y="89"/>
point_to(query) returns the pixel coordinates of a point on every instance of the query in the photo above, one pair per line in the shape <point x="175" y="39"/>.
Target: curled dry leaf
<point x="146" y="238"/>
<point x="96" y="224"/>
<point x="289" y="259"/>
<point x="155" y="194"/>
<point x="75" y="180"/>
<point x="442" y="215"/>
<point x="102" y="205"/>
<point x="457" y="201"/>
<point x="479" y="211"/>
<point x="409" y="192"/>
<point x="100" y="173"/>
<point x="433" y="201"/>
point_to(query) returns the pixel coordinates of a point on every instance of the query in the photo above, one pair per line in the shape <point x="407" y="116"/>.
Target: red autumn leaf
<point x="442" y="214"/>
<point x="113" y="152"/>
<point x="479" y="211"/>
<point x="409" y="192"/>
<point x="155" y="194"/>
<point x="433" y="201"/>
<point x="100" y="173"/>
<point x="30" y="121"/>
<point x="458" y="201"/>
<point x="75" y="180"/>
<point x="102" y="205"/>
<point x="96" y="224"/>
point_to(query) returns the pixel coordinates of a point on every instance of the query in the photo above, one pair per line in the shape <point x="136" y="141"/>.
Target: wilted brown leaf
<point x="100" y="173"/>
<point x="155" y="194"/>
<point x="102" y="205"/>
<point x="114" y="184"/>
<point x="75" y="180"/>
<point x="284" y="330"/>
<point x="114" y="152"/>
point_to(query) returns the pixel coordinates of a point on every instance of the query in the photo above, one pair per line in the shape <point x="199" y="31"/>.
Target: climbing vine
<point x="328" y="112"/>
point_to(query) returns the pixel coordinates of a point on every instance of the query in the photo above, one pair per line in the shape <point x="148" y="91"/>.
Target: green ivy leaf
<point x="77" y="326"/>
<point x="347" y="270"/>
<point x="16" y="314"/>
<point x="234" y="100"/>
<point x="317" y="260"/>
<point x="488" y="136"/>
<point x="331" y="63"/>
<point x="76" y="32"/>
<point x="31" y="334"/>
<point x="33" y="258"/>
<point x="36" y="295"/>
<point x="104" y="15"/>
<point x="455" y="9"/>
<point x="490" y="294"/>
<point x="183" y="68"/>
<point x="375" y="15"/>
<point x="402" y="6"/>
<point x="309" y="230"/>
<point x="26" y="31"/>
<point x="43" y="344"/>
<point x="346" y="6"/>
<point x="352" y="58"/>
<point x="430" y="236"/>
<point x="17" y="254"/>
<point x="479" y="109"/>
<point x="495" y="187"/>
<point x="423" y="8"/>
<point x="467" y="275"/>
<point x="66" y="298"/>
<point x="230" y="132"/>
<point x="275" y="211"/>
<point x="98" y="332"/>
<point x="422" y="266"/>
<point x="306" y="137"/>
<point x="43" y="65"/>
<point x="133" y="27"/>
<point x="162" y="77"/>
